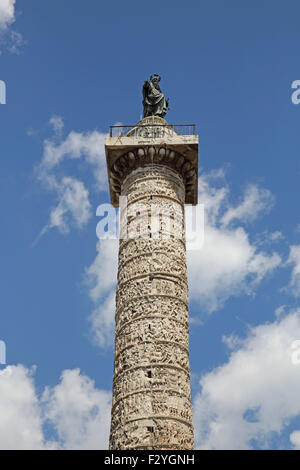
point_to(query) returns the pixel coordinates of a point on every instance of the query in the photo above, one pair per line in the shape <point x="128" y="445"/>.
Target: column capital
<point x="152" y="141"/>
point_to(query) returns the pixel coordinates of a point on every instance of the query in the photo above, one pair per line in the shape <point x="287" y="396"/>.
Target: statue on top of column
<point x="154" y="101"/>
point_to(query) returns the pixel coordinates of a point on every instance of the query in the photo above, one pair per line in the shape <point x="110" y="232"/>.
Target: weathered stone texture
<point x="151" y="391"/>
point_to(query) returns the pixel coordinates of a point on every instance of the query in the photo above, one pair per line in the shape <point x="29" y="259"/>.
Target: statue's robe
<point x="155" y="104"/>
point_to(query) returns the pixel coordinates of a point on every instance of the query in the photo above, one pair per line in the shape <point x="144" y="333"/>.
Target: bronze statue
<point x="154" y="101"/>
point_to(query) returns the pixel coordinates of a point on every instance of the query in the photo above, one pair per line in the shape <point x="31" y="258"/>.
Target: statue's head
<point x="155" y="78"/>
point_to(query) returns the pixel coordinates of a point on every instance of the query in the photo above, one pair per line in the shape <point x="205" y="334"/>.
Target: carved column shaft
<point x="151" y="406"/>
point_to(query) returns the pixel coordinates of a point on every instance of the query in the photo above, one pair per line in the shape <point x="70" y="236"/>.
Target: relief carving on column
<point x="151" y="391"/>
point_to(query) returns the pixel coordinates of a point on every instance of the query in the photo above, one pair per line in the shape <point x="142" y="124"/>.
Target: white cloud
<point x="103" y="321"/>
<point x="228" y="263"/>
<point x="294" y="260"/>
<point x="295" y="439"/>
<point x="15" y="42"/>
<point x="57" y="123"/>
<point x="11" y="39"/>
<point x="255" y="202"/>
<point x="276" y="236"/>
<point x="79" y="412"/>
<point x="267" y="238"/>
<point x="89" y="146"/>
<point x="73" y="198"/>
<point x="73" y="201"/>
<point x="232" y="341"/>
<point x="281" y="310"/>
<point x="7" y="13"/>
<point x="101" y="277"/>
<point x="21" y="421"/>
<point x="255" y="394"/>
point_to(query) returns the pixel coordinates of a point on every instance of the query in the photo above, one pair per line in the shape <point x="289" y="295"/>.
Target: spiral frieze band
<point x="151" y="406"/>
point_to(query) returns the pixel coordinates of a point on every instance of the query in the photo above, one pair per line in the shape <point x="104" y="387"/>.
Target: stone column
<point x="151" y="406"/>
<point x="151" y="392"/>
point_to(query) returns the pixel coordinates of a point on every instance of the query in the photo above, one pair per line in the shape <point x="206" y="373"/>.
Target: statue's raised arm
<point x="154" y="101"/>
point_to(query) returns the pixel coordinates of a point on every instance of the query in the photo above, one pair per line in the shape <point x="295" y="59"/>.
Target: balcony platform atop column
<point x="152" y="140"/>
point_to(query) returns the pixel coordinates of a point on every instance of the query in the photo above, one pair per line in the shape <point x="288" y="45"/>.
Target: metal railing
<point x="152" y="130"/>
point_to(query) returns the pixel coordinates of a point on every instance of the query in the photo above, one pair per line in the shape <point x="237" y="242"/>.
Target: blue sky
<point x="73" y="68"/>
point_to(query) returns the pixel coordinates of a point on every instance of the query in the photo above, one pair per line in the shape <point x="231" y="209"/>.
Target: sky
<point x="72" y="68"/>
